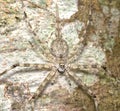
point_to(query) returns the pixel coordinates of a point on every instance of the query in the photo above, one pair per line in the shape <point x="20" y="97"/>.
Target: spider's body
<point x="59" y="49"/>
<point x="59" y="57"/>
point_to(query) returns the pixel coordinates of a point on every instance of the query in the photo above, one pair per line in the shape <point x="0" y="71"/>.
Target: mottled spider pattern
<point x="60" y="60"/>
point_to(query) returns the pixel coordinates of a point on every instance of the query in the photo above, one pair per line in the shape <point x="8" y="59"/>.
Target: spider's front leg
<point x="43" y="85"/>
<point x="32" y="66"/>
<point x="83" y="87"/>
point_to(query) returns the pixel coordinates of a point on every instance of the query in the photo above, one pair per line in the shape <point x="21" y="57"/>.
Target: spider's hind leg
<point x="42" y="86"/>
<point x="32" y="66"/>
<point x="93" y="69"/>
<point x="10" y="68"/>
<point x="84" y="88"/>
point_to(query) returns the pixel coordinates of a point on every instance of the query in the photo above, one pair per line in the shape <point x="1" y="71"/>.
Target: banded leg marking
<point x="94" y="69"/>
<point x="36" y="66"/>
<point x="53" y="81"/>
<point x="76" y="52"/>
<point x="43" y="85"/>
<point x="84" y="88"/>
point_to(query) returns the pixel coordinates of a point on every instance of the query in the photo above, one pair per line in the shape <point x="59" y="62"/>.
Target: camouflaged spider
<point x="60" y="61"/>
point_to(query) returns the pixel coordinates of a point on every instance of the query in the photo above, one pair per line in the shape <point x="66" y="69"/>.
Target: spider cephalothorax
<point x="61" y="68"/>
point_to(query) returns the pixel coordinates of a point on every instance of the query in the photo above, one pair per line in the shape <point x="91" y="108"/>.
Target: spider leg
<point x="37" y="45"/>
<point x="76" y="52"/>
<point x="53" y="81"/>
<point x="6" y="50"/>
<point x="83" y="35"/>
<point x="80" y="46"/>
<point x="44" y="53"/>
<point x="84" y="88"/>
<point x="43" y="85"/>
<point x="33" y="65"/>
<point x="10" y="68"/>
<point x="88" y="69"/>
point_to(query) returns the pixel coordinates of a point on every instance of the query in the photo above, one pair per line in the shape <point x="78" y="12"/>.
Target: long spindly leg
<point x="75" y="53"/>
<point x="83" y="35"/>
<point x="93" y="69"/>
<point x="53" y="81"/>
<point x="43" y="85"/>
<point x="78" y="49"/>
<point x="30" y="65"/>
<point x="44" y="53"/>
<point x="37" y="45"/>
<point x="84" y="88"/>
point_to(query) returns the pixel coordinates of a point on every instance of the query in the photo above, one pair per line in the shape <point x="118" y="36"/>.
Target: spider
<point x="60" y="61"/>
